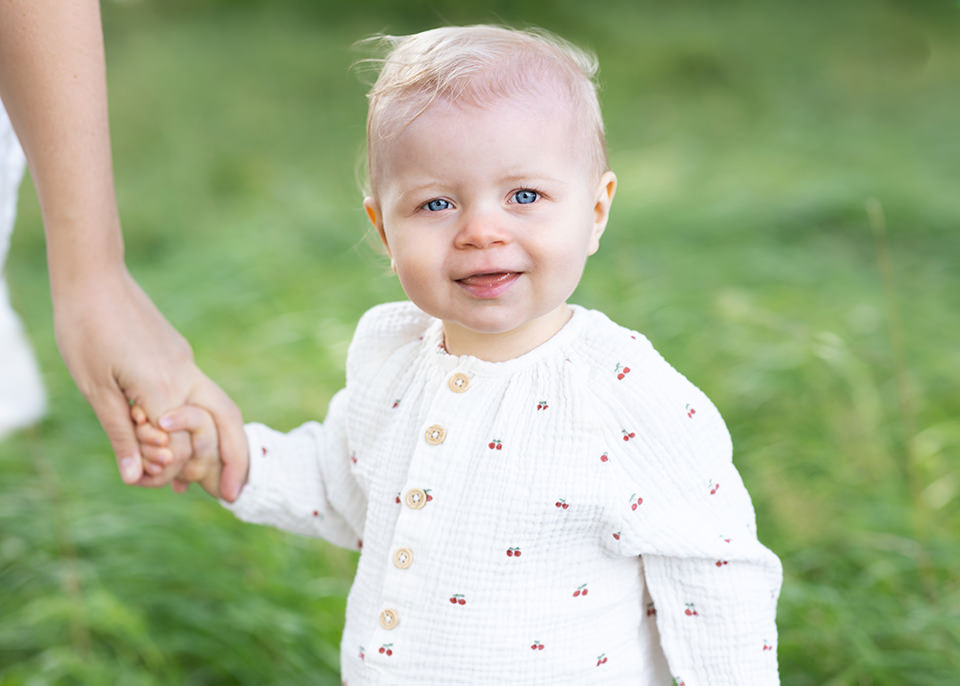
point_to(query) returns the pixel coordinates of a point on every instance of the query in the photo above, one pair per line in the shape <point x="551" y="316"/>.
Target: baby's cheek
<point x="418" y="284"/>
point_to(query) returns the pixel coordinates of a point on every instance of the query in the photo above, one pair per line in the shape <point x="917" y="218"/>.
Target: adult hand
<point x="119" y="348"/>
<point x="116" y="344"/>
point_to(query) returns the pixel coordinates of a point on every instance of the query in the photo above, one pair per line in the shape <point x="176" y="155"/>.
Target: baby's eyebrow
<point x="534" y="178"/>
<point x="421" y="188"/>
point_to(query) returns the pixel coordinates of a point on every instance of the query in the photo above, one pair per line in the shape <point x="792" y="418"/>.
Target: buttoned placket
<point x="410" y="543"/>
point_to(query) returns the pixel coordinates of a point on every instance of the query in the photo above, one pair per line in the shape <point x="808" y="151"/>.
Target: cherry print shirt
<point x="571" y="516"/>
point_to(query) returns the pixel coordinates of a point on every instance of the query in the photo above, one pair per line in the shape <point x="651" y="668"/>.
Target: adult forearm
<point x="53" y="85"/>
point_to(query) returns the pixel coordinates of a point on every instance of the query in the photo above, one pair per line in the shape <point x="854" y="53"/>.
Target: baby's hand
<point x="202" y="464"/>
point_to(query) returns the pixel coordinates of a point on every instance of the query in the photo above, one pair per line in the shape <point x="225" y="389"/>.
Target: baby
<point x="539" y="496"/>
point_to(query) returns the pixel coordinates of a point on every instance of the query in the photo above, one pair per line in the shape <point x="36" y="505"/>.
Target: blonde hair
<point x="476" y="65"/>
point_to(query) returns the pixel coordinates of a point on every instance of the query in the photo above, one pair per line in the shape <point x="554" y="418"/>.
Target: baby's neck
<point x="500" y="347"/>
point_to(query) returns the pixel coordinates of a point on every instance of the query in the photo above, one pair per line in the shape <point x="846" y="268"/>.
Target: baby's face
<point x="489" y="214"/>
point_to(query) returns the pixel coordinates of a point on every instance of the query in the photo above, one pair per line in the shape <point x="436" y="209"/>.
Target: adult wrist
<point x="70" y="281"/>
<point x="78" y="260"/>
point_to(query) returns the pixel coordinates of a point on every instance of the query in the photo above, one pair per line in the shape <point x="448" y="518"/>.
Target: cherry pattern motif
<point x="514" y="552"/>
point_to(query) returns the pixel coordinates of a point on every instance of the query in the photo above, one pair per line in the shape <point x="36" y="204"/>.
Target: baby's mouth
<point x="488" y="285"/>
<point x="487" y="280"/>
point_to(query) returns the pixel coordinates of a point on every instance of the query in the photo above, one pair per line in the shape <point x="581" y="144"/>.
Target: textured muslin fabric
<point x="22" y="398"/>
<point x="571" y="516"/>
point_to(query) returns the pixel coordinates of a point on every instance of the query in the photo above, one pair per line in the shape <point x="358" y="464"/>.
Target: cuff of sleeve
<point x="255" y="493"/>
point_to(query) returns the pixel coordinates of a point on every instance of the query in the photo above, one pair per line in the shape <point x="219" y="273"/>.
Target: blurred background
<point x="787" y="233"/>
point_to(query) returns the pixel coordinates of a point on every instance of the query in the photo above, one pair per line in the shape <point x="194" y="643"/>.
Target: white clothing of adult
<point x="22" y="398"/>
<point x="571" y="516"/>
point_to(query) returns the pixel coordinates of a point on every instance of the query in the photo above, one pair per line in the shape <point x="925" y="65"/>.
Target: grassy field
<point x="787" y="232"/>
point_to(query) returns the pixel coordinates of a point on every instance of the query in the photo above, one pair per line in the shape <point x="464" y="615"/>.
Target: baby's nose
<point x="482" y="230"/>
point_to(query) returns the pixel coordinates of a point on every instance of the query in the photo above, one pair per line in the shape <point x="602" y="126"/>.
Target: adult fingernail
<point x="129" y="469"/>
<point x="165" y="422"/>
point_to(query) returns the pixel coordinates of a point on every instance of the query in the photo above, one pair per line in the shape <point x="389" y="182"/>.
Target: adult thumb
<point x="113" y="411"/>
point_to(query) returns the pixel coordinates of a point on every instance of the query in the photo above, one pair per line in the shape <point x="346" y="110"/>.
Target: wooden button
<point x="435" y="434"/>
<point x="403" y="558"/>
<point x="416" y="498"/>
<point x="389" y="619"/>
<point x="459" y="382"/>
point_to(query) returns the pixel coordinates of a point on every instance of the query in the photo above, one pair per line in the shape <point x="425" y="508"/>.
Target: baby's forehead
<point x="459" y="145"/>
<point x="491" y="95"/>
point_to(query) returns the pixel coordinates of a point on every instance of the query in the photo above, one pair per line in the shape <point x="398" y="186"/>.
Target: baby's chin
<point x="490" y="319"/>
<point x="504" y="331"/>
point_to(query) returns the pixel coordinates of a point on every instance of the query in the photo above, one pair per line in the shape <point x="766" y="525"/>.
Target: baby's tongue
<point x="486" y="279"/>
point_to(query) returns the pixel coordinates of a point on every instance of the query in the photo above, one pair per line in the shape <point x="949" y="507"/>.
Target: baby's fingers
<point x="152" y="442"/>
<point x="148" y="434"/>
<point x="138" y="415"/>
<point x="188" y="418"/>
<point x="155" y="458"/>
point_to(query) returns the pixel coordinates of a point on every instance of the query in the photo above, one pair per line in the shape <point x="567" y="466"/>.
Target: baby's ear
<point x="372" y="208"/>
<point x="606" y="189"/>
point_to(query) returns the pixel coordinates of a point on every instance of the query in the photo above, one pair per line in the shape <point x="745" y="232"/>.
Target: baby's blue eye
<point x="438" y="204"/>
<point x="525" y="197"/>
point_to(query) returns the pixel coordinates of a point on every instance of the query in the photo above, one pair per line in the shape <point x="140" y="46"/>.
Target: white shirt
<point x="12" y="164"/>
<point x="571" y="516"/>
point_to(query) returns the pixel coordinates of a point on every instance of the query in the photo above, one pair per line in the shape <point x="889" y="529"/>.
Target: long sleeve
<point x="302" y="481"/>
<point x="683" y="509"/>
<point x="715" y="588"/>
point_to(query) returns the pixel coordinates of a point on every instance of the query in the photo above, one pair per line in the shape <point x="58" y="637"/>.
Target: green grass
<point x="750" y="140"/>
